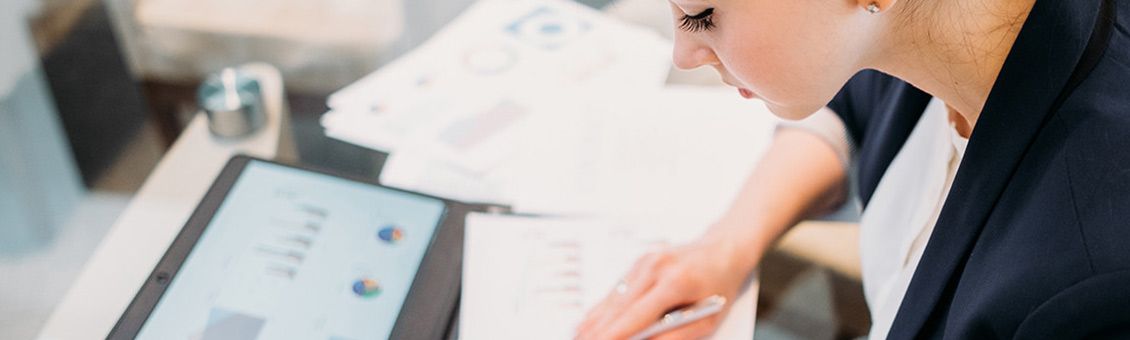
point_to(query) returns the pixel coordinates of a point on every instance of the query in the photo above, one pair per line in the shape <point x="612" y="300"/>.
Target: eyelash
<point x="699" y="22"/>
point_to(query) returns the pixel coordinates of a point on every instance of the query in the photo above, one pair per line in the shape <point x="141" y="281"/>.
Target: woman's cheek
<point x="786" y="88"/>
<point x="762" y="73"/>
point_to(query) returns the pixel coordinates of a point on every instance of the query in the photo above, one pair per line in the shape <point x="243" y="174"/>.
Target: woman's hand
<point x="664" y="280"/>
<point x="798" y="175"/>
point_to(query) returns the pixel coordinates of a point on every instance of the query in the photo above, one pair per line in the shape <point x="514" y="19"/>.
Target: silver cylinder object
<point x="233" y="101"/>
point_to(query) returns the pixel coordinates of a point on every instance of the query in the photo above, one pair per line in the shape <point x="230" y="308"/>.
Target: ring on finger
<point x="622" y="287"/>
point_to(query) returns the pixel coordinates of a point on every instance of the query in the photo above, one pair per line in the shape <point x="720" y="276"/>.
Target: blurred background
<point x="93" y="93"/>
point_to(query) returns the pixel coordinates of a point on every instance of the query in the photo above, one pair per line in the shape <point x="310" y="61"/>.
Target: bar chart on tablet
<point x="298" y="255"/>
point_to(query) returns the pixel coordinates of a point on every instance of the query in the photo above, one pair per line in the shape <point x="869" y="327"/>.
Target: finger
<point x="639" y="280"/>
<point x="642" y="314"/>
<point x="609" y="309"/>
<point x="694" y="330"/>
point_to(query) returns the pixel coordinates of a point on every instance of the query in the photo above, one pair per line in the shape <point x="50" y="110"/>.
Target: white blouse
<point x="898" y="221"/>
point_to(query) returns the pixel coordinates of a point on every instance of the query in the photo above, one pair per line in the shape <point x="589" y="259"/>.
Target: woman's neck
<point x="951" y="49"/>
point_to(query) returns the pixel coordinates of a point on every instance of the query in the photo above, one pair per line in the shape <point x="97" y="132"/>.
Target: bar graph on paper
<point x="540" y="277"/>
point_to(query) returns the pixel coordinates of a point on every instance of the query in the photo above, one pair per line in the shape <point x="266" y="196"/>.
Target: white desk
<point x="156" y="214"/>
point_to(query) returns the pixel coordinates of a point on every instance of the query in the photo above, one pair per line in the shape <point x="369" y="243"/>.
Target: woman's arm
<point x="799" y="175"/>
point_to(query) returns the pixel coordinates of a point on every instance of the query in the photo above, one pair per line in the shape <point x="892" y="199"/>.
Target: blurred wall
<point x="319" y="46"/>
<point x="39" y="184"/>
<point x="332" y="44"/>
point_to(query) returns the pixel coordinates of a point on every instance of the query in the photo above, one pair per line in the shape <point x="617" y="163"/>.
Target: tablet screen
<point x="293" y="254"/>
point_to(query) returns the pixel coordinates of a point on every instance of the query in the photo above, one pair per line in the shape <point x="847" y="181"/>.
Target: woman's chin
<point x="789" y="112"/>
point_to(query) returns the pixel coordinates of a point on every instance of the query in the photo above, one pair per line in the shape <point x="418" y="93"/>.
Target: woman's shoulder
<point x="1095" y="307"/>
<point x="1096" y="116"/>
<point x="1104" y="96"/>
<point x="1093" y="128"/>
<point x="1094" y="122"/>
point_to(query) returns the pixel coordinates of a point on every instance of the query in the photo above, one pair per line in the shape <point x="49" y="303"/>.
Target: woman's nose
<point x="689" y="55"/>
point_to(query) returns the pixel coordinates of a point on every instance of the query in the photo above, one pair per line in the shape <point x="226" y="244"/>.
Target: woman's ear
<point x="875" y="6"/>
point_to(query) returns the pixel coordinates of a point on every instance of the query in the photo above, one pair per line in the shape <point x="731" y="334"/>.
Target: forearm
<point x="799" y="176"/>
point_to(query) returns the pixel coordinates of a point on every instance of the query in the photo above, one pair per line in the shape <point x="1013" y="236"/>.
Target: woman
<point x="992" y="145"/>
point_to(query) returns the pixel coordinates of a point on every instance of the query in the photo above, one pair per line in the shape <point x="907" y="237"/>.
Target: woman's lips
<point x="747" y="94"/>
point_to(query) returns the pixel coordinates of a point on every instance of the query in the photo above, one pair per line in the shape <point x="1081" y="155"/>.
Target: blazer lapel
<point x="1040" y="63"/>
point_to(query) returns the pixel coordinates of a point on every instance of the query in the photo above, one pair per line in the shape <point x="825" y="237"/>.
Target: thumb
<point x="694" y="330"/>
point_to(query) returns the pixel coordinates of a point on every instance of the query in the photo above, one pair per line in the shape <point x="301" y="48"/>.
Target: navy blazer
<point x="1033" y="240"/>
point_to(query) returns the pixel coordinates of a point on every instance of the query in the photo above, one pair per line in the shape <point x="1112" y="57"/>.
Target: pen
<point x="675" y="319"/>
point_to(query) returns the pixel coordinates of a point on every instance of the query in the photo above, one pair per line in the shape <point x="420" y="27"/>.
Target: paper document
<point x="535" y="278"/>
<point x="682" y="150"/>
<point x="465" y="88"/>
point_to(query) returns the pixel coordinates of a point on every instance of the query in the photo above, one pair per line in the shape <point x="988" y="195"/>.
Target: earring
<point x="873" y="8"/>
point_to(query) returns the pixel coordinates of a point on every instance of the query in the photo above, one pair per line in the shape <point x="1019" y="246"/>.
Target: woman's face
<point x="793" y="54"/>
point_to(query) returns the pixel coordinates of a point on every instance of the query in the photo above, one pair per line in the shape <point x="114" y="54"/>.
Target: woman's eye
<point x="699" y="22"/>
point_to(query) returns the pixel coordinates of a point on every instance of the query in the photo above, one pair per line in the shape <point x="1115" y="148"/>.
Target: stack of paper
<point x="552" y="108"/>
<point x="535" y="278"/>
<point x="681" y="150"/>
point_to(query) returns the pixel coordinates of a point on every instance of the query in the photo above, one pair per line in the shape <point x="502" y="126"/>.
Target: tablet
<point x="281" y="252"/>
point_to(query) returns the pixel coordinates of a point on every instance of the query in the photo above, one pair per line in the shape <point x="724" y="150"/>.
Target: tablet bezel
<point x="428" y="310"/>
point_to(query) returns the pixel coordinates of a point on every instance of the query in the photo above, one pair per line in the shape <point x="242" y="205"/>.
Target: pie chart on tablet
<point x="367" y="288"/>
<point x="390" y="234"/>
